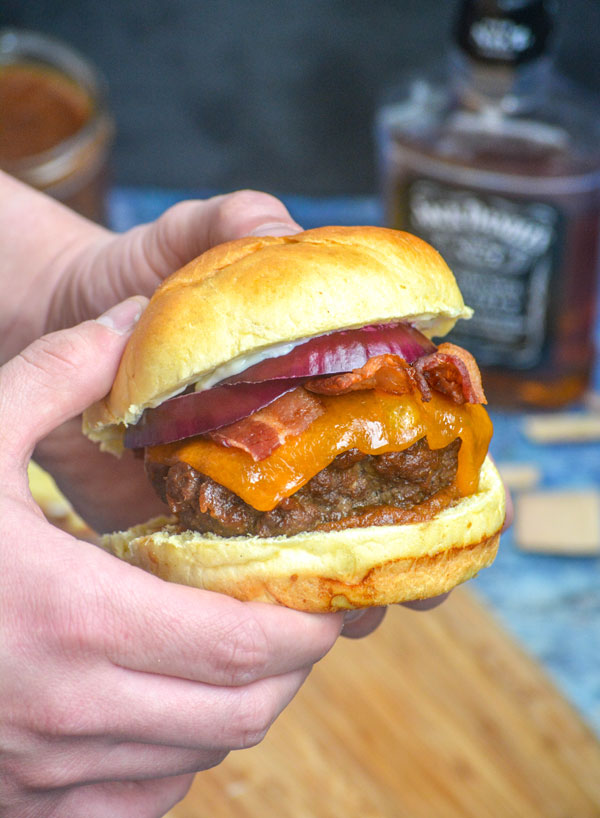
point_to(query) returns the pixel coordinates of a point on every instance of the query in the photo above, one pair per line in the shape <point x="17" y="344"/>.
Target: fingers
<point x="426" y="604"/>
<point x="57" y="376"/>
<point x="361" y="623"/>
<point x="117" y="705"/>
<point x="189" y="228"/>
<point x="150" y="799"/>
<point x="159" y="627"/>
<point x="140" y="259"/>
<point x="107" y="760"/>
<point x="177" y="712"/>
<point x="130" y="761"/>
<point x="67" y="698"/>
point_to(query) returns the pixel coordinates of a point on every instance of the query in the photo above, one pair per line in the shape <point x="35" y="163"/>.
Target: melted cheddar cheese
<point x="372" y="421"/>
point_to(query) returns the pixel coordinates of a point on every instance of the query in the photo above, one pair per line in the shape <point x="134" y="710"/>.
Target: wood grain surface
<point x="435" y="715"/>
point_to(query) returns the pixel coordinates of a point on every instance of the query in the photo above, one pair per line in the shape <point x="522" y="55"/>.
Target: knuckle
<point x="251" y="720"/>
<point x="242" y="653"/>
<point x="73" y="619"/>
<point x="50" y="353"/>
<point x="167" y="228"/>
<point x="56" y="772"/>
<point x="19" y="775"/>
<point x="215" y="758"/>
<point x="44" y="760"/>
<point x="241" y="200"/>
<point x="41" y="774"/>
<point x="242" y="204"/>
<point x="175" y="211"/>
<point x="64" y="715"/>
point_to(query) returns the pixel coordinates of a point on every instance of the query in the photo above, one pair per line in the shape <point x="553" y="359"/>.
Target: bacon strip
<point x="450" y="370"/>
<point x="388" y="372"/>
<point x="264" y="431"/>
<point x="454" y="372"/>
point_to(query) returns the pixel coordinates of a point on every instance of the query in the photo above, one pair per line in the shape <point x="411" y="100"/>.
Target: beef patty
<point x="345" y="494"/>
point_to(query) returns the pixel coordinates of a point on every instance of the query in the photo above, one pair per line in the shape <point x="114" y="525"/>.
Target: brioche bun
<point x="239" y="301"/>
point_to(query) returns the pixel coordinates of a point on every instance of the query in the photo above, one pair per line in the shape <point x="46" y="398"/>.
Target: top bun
<point x="243" y="297"/>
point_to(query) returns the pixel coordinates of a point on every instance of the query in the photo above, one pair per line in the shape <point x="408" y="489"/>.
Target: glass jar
<point x="55" y="127"/>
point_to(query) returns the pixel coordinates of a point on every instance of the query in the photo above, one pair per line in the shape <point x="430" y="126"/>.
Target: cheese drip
<point x="372" y="421"/>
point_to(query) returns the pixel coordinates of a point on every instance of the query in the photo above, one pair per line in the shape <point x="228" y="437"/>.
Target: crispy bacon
<point x="387" y="372"/>
<point x="261" y="433"/>
<point x="454" y="372"/>
<point x="450" y="370"/>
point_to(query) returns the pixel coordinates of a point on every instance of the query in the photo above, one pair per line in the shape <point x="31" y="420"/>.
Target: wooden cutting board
<point x="436" y="715"/>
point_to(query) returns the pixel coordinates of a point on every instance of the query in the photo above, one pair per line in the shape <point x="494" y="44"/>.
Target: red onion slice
<point x="340" y="351"/>
<point x="201" y="412"/>
<point x="259" y="385"/>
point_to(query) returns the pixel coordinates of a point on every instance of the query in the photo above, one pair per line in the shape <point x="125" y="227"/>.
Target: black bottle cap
<point x="504" y="32"/>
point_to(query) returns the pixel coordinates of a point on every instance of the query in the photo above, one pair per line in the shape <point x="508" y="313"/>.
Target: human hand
<point x="98" y="269"/>
<point x="115" y="685"/>
<point x="59" y="268"/>
<point x="136" y="262"/>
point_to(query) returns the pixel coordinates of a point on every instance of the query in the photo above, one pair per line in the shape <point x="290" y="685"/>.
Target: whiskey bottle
<point x="494" y="158"/>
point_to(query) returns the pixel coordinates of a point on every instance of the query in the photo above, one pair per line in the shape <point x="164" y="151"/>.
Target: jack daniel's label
<point x="503" y="254"/>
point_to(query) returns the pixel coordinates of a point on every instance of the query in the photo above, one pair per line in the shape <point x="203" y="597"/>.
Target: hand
<point x="58" y="269"/>
<point x="116" y="686"/>
<point x="137" y="261"/>
<point x="96" y="269"/>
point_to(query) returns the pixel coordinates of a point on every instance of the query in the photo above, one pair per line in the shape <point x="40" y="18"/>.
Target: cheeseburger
<point x="312" y="444"/>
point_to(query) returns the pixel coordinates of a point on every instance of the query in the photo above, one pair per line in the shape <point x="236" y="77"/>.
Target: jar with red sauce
<point x="55" y="127"/>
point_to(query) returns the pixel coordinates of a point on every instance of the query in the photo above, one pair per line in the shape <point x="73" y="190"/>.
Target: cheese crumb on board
<point x="519" y="476"/>
<point x="563" y="427"/>
<point x="559" y="522"/>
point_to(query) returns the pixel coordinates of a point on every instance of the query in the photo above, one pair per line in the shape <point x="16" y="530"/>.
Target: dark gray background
<point x="221" y="94"/>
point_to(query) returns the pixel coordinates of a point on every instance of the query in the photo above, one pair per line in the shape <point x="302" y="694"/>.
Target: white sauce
<point x="242" y="362"/>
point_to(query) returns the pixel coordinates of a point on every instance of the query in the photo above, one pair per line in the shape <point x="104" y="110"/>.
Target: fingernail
<point x="276" y="229"/>
<point x="352" y="616"/>
<point x="124" y="316"/>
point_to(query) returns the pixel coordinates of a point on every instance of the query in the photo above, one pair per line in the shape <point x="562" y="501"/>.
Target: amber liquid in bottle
<point x="497" y="165"/>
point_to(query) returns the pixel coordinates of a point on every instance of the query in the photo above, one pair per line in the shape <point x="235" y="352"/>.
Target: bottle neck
<point x="509" y="89"/>
<point x="504" y="32"/>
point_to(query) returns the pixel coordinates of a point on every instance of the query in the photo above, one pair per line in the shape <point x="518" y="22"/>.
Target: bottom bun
<point x="334" y="570"/>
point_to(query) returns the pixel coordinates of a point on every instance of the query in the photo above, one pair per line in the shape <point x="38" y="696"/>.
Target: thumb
<point x="145" y="255"/>
<point x="189" y="228"/>
<point x="58" y="376"/>
<point x="137" y="261"/>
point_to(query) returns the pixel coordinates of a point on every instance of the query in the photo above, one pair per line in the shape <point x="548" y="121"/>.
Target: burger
<point x="312" y="445"/>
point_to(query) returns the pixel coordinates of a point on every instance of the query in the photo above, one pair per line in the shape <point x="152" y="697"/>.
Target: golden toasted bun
<point x="329" y="571"/>
<point x="245" y="296"/>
